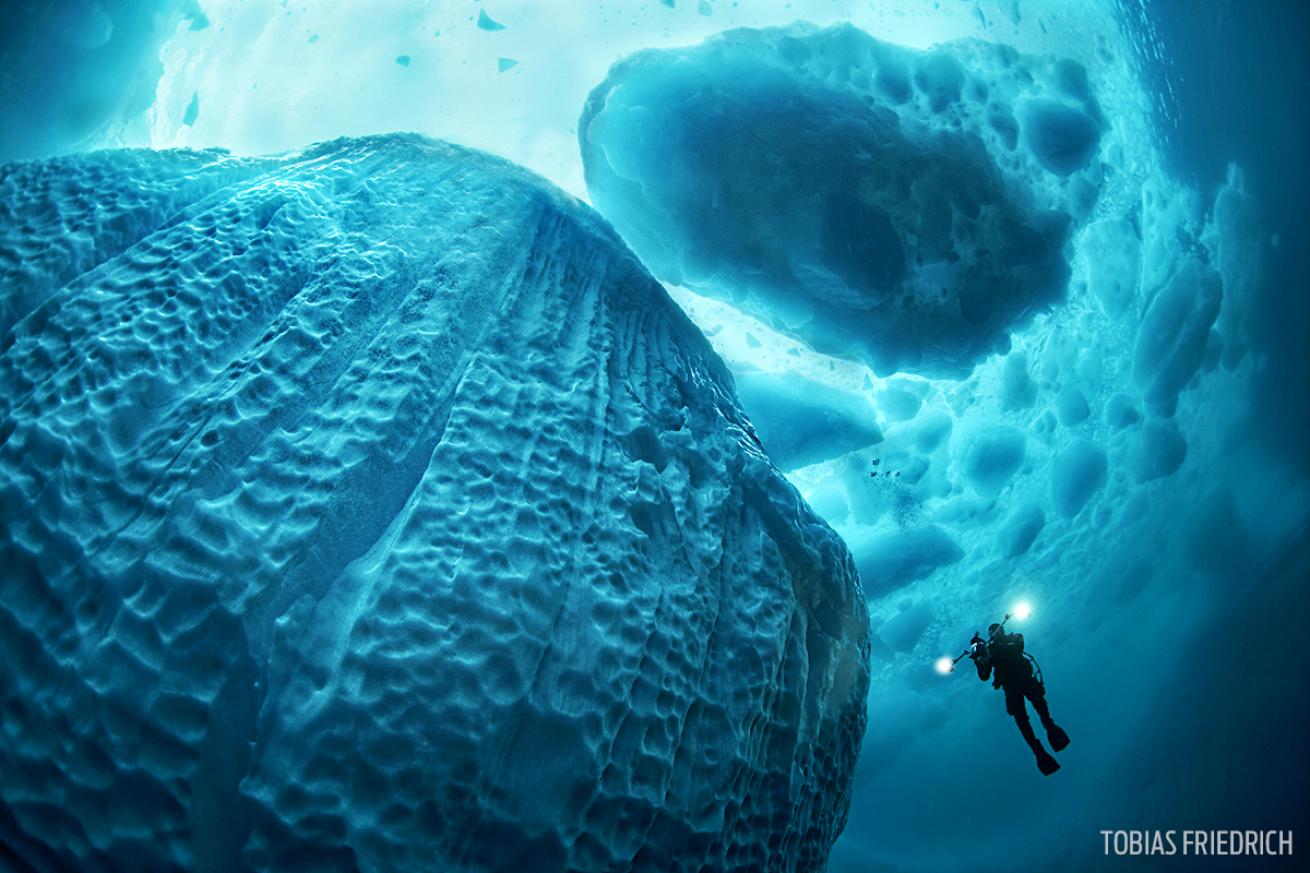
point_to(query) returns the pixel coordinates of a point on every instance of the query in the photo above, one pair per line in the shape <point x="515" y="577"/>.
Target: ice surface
<point x="59" y="225"/>
<point x="906" y="209"/>
<point x="802" y="422"/>
<point x="1077" y="473"/>
<point x="1071" y="406"/>
<point x="1021" y="529"/>
<point x="900" y="632"/>
<point x="372" y="508"/>
<point x="1120" y="412"/>
<point x="1160" y="451"/>
<point x="889" y="560"/>
<point x="1017" y="388"/>
<point x="1172" y="337"/>
<point x="992" y="456"/>
<point x="899" y="404"/>
<point x="1112" y="251"/>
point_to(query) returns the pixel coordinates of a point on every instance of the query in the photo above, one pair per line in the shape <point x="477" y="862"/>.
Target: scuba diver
<point x="1001" y="658"/>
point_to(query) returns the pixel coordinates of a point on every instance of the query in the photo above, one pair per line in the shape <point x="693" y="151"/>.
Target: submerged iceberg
<point x="372" y="508"/>
<point x="905" y="209"/>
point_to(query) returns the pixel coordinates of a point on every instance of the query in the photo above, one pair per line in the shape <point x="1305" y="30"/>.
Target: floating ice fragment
<point x="192" y="110"/>
<point x="485" y="22"/>
<point x="905" y="209"/>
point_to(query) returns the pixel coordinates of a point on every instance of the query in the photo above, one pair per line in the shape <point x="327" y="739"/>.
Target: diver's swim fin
<point x="1058" y="739"/>
<point x="1046" y="763"/>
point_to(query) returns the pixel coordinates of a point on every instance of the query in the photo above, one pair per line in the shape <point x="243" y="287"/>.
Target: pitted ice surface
<point x="371" y="507"/>
<point x="906" y="209"/>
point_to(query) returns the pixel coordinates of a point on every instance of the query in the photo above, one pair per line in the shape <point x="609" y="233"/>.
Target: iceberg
<point x="371" y="507"/>
<point x="902" y="208"/>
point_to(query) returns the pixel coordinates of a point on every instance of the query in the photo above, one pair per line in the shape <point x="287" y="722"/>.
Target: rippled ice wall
<point x="1054" y="351"/>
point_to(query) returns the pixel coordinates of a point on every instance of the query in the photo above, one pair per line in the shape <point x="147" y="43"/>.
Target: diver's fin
<point x="1058" y="739"/>
<point x="1046" y="763"/>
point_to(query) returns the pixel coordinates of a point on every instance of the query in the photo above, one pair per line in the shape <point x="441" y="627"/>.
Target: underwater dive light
<point x="944" y="665"/>
<point x="1021" y="610"/>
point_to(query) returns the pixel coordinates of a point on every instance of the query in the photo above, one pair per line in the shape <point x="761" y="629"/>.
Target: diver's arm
<point x="982" y="660"/>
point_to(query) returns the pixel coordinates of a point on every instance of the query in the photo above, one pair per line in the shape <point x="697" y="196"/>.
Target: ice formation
<point x="801" y="421"/>
<point x="372" y="508"/>
<point x="905" y="209"/>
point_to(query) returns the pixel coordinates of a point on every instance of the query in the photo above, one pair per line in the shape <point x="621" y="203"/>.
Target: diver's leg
<point x="1055" y="734"/>
<point x="1014" y="705"/>
<point x="1037" y="696"/>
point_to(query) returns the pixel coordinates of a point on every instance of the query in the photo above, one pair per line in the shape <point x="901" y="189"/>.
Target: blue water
<point x="1013" y="294"/>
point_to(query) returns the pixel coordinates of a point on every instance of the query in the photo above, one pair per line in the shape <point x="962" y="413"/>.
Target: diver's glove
<point x="977" y="649"/>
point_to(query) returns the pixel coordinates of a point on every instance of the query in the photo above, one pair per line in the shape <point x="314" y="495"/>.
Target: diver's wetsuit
<point x="1004" y="663"/>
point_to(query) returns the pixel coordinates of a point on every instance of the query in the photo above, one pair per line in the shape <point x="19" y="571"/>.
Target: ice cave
<point x="509" y="435"/>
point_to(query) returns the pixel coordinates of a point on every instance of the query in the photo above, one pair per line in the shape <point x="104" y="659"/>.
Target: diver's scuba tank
<point x="1037" y="669"/>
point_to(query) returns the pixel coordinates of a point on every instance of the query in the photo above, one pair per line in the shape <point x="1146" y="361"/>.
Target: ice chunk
<point x="889" y="559"/>
<point x="1171" y="228"/>
<point x="1160" y="450"/>
<point x="1017" y="388"/>
<point x="900" y="632"/>
<point x="1077" y="473"/>
<point x="1120" y="412"/>
<point x="898" y="404"/>
<point x="1062" y="138"/>
<point x="991" y="456"/>
<point x="874" y="201"/>
<point x="1072" y="406"/>
<point x="192" y="113"/>
<point x="802" y="422"/>
<point x="932" y="430"/>
<point x="1021" y="529"/>
<point x="1112" y="252"/>
<point x="379" y="511"/>
<point x="486" y="22"/>
<point x="828" y="499"/>
<point x="1236" y="236"/>
<point x="1171" y="339"/>
<point x="505" y="64"/>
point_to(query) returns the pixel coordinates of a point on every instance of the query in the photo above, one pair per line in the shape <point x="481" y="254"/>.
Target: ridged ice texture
<point x="905" y="209"/>
<point x="61" y="223"/>
<point x="378" y="511"/>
